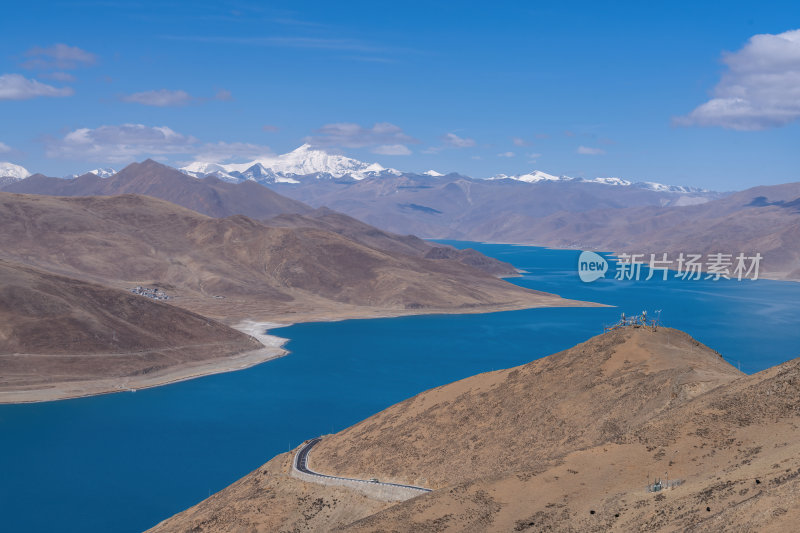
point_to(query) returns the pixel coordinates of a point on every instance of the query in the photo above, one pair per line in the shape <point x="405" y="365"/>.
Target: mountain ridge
<point x="305" y="161"/>
<point x="208" y="196"/>
<point x="571" y="441"/>
<point x="302" y="161"/>
<point x="263" y="272"/>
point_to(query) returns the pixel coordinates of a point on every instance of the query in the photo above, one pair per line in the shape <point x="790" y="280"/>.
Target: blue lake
<point x="123" y="462"/>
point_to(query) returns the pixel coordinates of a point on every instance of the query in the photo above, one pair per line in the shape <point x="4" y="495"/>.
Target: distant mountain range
<point x="213" y="197"/>
<point x="210" y="196"/>
<point x="537" y="176"/>
<point x="537" y="208"/>
<point x="306" y="162"/>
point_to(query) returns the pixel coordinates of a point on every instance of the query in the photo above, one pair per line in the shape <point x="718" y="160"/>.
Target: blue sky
<point x="663" y="91"/>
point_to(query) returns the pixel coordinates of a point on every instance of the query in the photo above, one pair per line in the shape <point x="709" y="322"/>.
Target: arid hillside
<point x="329" y="220"/>
<point x="568" y="442"/>
<point x="219" y="199"/>
<point x="762" y="219"/>
<point x="533" y="414"/>
<point x="728" y="458"/>
<point x="55" y="329"/>
<point x="236" y="267"/>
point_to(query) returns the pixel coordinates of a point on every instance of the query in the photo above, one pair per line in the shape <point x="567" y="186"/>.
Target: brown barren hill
<point x="209" y="196"/>
<point x="56" y="333"/>
<point x="727" y="461"/>
<point x="235" y="267"/>
<point x="329" y="220"/>
<point x="216" y="198"/>
<point x="528" y="416"/>
<point x="568" y="442"/>
<point x="763" y="220"/>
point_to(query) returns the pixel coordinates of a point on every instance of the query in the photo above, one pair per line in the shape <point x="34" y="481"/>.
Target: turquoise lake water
<point x="123" y="462"/>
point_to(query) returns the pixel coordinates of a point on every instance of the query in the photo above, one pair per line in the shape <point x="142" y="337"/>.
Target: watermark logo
<point x="714" y="266"/>
<point x="591" y="267"/>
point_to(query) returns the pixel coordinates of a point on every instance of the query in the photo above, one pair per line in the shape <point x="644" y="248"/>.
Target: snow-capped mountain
<point x="611" y="181"/>
<point x="306" y="163"/>
<point x="538" y="176"/>
<point x="532" y="177"/>
<point x="10" y="170"/>
<point x="660" y="187"/>
<point x="290" y="168"/>
<point x="102" y="172"/>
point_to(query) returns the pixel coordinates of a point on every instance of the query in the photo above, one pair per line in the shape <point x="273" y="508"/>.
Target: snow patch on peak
<point x="660" y="187"/>
<point x="538" y="176"/>
<point x="611" y="181"/>
<point x="433" y="174"/>
<point x="302" y="161"/>
<point x="101" y="172"/>
<point x="10" y="170"/>
<point x="200" y="167"/>
<point x="531" y="177"/>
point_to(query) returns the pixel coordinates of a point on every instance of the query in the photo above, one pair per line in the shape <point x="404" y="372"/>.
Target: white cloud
<point x="391" y="149"/>
<point x="119" y="144"/>
<point x="59" y="56"/>
<point x="453" y="140"/>
<point x="4" y="148"/>
<point x="350" y="135"/>
<point x="588" y="150"/>
<point x="129" y="142"/>
<point x="533" y="156"/>
<point x="760" y="89"/>
<point x="18" y="87"/>
<point x="159" y="98"/>
<point x="506" y="154"/>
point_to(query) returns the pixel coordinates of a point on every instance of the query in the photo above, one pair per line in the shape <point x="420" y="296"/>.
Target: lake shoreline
<point x="272" y="348"/>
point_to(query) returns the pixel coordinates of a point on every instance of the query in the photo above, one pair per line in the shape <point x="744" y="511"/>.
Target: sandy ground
<point x="272" y="348"/>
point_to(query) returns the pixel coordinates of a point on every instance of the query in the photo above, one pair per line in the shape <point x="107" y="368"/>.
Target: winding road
<point x="301" y="465"/>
